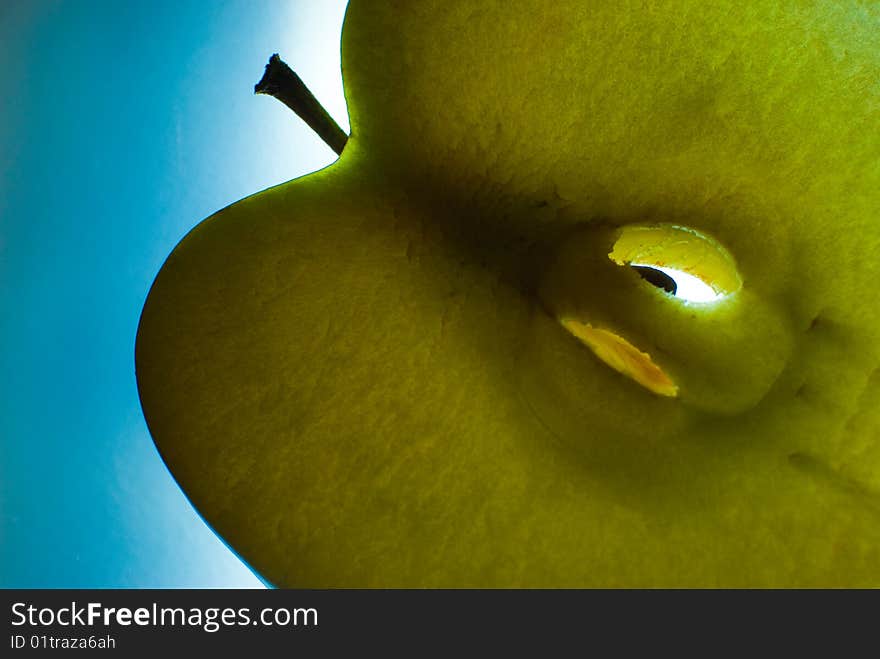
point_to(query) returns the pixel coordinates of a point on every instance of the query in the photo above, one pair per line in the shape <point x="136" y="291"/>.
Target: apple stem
<point x="280" y="81"/>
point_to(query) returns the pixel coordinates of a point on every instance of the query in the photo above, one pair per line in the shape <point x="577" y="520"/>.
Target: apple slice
<point x="369" y="377"/>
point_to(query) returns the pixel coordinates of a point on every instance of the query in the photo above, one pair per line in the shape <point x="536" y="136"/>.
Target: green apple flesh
<point x="363" y="378"/>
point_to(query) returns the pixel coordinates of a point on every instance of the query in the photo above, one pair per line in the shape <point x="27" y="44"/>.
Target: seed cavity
<point x="681" y="261"/>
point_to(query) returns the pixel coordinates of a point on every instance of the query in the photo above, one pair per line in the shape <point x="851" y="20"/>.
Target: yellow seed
<point x="622" y="356"/>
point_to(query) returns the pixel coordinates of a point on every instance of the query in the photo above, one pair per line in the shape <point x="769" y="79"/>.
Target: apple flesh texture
<point x="359" y="379"/>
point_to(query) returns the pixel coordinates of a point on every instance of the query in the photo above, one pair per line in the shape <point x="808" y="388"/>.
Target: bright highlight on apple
<point x="688" y="287"/>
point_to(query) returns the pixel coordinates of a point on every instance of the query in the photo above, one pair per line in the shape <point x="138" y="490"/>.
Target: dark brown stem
<point x="280" y="81"/>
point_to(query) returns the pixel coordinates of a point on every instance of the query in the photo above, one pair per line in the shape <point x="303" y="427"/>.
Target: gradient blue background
<point x="123" y="124"/>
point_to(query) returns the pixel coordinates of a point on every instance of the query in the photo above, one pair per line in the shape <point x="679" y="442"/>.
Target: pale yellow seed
<point x="622" y="356"/>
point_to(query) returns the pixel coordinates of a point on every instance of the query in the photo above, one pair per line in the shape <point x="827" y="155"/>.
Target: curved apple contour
<point x="360" y="378"/>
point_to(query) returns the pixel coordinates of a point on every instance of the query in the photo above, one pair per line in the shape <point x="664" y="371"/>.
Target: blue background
<point x="123" y="124"/>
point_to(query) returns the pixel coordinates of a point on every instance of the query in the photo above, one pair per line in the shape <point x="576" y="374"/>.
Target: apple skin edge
<point x="359" y="378"/>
